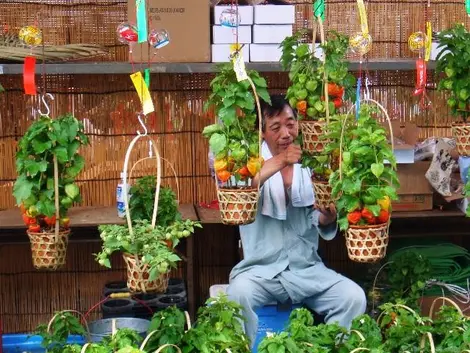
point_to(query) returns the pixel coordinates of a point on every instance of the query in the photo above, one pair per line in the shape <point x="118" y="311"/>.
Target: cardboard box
<point x="415" y="192"/>
<point x="221" y="53"/>
<point x="271" y="34"/>
<point x="244" y="11"/>
<point x="278" y="13"/>
<point x="225" y="35"/>
<point x="187" y="23"/>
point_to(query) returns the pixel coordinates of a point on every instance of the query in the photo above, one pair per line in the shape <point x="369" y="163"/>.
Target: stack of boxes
<point x="262" y="28"/>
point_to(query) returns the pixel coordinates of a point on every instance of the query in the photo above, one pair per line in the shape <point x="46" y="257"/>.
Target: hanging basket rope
<point x="365" y="243"/>
<point x="239" y="206"/>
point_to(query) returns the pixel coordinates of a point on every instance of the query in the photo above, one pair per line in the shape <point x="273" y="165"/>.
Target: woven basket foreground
<point x="322" y="193"/>
<point x="312" y="132"/>
<point x="367" y="243"/>
<point x="47" y="253"/>
<point x="138" y="277"/>
<point x="461" y="135"/>
<point x="238" y="206"/>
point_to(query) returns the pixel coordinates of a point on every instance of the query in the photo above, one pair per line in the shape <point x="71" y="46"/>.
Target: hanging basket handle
<point x="444" y="299"/>
<point x="422" y="344"/>
<point x="147" y="338"/>
<point x="85" y="322"/>
<point x="168" y="345"/>
<point x="348" y="115"/>
<point x="178" y="190"/>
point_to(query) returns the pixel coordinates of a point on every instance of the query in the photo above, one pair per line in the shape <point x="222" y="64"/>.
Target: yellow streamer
<point x="427" y="55"/>
<point x="363" y="16"/>
<point x="143" y="92"/>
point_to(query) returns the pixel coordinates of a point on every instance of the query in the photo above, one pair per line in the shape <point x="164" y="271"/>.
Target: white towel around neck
<point x="274" y="198"/>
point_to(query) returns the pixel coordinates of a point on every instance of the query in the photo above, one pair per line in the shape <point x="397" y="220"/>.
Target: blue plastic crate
<point x="19" y="343"/>
<point x="272" y="319"/>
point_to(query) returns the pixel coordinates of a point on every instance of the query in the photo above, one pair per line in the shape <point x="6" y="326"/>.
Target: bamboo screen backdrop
<point x="107" y="104"/>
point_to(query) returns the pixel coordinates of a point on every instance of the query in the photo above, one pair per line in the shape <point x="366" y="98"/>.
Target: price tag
<point x="363" y="16"/>
<point x="143" y="92"/>
<point x="238" y="62"/>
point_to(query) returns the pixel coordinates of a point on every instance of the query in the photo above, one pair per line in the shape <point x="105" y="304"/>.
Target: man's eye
<point x="290" y="126"/>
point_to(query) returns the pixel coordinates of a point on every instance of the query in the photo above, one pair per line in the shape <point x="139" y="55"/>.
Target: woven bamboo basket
<point x="239" y="205"/>
<point x="313" y="135"/>
<point x="48" y="251"/>
<point x="323" y="195"/>
<point x="138" y="276"/>
<point x="367" y="243"/>
<point x="461" y="134"/>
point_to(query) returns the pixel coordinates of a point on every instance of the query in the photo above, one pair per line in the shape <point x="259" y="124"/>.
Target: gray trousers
<point x="337" y="297"/>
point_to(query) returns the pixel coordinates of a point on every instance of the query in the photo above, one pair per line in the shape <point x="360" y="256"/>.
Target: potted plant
<point x="235" y="141"/>
<point x="47" y="163"/>
<point x="319" y="87"/>
<point x="453" y="64"/>
<point x="149" y="252"/>
<point x="365" y="184"/>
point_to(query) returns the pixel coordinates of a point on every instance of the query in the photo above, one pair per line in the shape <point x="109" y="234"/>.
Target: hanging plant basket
<point x="312" y="135"/>
<point x="138" y="277"/>
<point x="238" y="206"/>
<point x="367" y="243"/>
<point x="48" y="249"/>
<point x="461" y="134"/>
<point x="323" y="195"/>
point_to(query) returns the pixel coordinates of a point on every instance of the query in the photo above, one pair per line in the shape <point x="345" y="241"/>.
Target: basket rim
<point x="62" y="232"/>
<point x="457" y="125"/>
<point x="369" y="226"/>
<point x="239" y="189"/>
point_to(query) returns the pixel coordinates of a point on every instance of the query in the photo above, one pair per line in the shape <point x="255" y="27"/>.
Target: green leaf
<point x="46" y="207"/>
<point x="347" y="157"/>
<point x="72" y="129"/>
<point x="228" y="115"/>
<point x="217" y="143"/>
<point x="343" y="223"/>
<point x="41" y="146"/>
<point x="33" y="167"/>
<point x="375" y="209"/>
<point x="377" y="169"/>
<point x="22" y="189"/>
<point x="61" y="154"/>
<point x="77" y="165"/>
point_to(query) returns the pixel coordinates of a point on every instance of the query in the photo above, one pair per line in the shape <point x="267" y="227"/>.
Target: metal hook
<point x="51" y="97"/>
<point x="142" y="124"/>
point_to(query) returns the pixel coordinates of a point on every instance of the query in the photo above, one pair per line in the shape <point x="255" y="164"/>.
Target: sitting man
<point x="280" y="247"/>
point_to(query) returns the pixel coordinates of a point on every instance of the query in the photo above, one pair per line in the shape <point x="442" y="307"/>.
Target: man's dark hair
<point x="278" y="103"/>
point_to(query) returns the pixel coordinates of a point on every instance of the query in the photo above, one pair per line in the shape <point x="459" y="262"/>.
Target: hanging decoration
<point x="361" y="43"/>
<point x="143" y="92"/>
<point x="467" y="7"/>
<point x="127" y="34"/>
<point x="319" y="10"/>
<point x="31" y="36"/>
<point x="230" y="18"/>
<point x="159" y="38"/>
<point x="141" y="15"/>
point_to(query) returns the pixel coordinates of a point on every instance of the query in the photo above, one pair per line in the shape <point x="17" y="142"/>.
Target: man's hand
<point x="291" y="154"/>
<point x="327" y="215"/>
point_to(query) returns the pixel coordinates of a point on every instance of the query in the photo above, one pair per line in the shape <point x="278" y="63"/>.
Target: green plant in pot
<point x="234" y="141"/>
<point x="365" y="184"/>
<point x="148" y="249"/>
<point x="313" y="80"/>
<point x="47" y="163"/>
<point x="453" y="64"/>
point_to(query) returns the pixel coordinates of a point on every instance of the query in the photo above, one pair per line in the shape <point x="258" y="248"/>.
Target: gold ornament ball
<point x="417" y="41"/>
<point x="360" y="43"/>
<point x="31" y="35"/>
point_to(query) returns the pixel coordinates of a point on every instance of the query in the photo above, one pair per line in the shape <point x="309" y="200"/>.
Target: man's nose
<point x="284" y="132"/>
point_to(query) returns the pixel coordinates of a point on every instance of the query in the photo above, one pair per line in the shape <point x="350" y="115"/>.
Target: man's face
<point x="280" y="130"/>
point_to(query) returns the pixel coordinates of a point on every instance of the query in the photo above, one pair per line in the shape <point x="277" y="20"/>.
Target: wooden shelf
<point x="209" y="215"/>
<point x="84" y="68"/>
<point x="85" y="216"/>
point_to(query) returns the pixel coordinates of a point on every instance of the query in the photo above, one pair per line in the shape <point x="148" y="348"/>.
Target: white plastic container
<point x="121" y="208"/>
